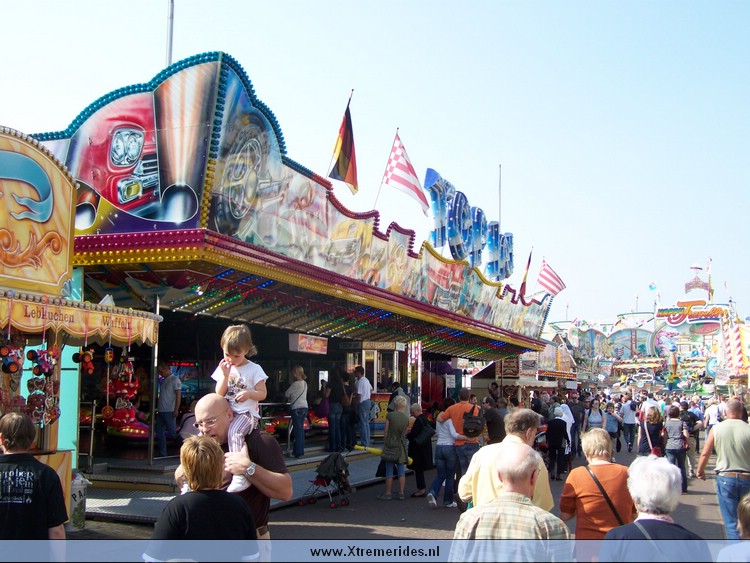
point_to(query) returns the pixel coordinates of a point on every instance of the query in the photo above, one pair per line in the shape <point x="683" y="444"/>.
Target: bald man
<point x="512" y="516"/>
<point x="731" y="438"/>
<point x="264" y="465"/>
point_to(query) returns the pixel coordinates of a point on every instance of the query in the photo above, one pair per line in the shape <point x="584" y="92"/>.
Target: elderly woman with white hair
<point x="655" y="486"/>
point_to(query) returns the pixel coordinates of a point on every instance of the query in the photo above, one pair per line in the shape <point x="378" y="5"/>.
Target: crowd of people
<point x="499" y="478"/>
<point x="607" y="499"/>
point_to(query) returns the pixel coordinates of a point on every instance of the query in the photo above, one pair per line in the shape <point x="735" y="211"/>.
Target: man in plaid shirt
<point x="512" y="516"/>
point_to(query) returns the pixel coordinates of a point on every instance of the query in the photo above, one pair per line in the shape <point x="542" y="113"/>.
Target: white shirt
<point x="647" y="404"/>
<point x="446" y="434"/>
<point x="711" y="415"/>
<point x="364" y="389"/>
<point x="627" y="414"/>
<point x="244" y="377"/>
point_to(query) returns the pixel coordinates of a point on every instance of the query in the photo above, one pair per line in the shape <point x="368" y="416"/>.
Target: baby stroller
<point x="333" y="478"/>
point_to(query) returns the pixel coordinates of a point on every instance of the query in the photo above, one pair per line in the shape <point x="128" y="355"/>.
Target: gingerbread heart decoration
<point x="36" y="384"/>
<point x="37" y="415"/>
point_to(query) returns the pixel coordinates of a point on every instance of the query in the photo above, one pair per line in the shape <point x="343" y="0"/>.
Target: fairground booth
<point x="187" y="206"/>
<point x="46" y="327"/>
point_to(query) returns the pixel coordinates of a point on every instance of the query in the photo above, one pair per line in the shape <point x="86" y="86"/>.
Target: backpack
<point x="473" y="424"/>
<point x="633" y="406"/>
<point x="689" y="419"/>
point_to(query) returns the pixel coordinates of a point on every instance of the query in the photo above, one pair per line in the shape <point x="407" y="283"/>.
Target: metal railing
<point x="278" y="417"/>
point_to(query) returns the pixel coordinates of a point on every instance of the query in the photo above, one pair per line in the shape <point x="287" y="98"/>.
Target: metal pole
<point x="499" y="195"/>
<point x="170" y="27"/>
<point x="152" y="388"/>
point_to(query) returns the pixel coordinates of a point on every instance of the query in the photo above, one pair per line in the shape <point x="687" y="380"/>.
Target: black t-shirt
<point x="31" y="498"/>
<point x="337" y="391"/>
<point x="654" y="432"/>
<point x="204" y="515"/>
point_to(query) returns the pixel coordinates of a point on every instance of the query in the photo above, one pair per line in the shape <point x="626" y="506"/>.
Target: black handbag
<point x="425" y="435"/>
<point x="380" y="471"/>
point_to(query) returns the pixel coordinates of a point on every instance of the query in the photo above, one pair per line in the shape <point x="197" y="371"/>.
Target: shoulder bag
<point x="425" y="434"/>
<point x="650" y="540"/>
<point x="606" y="496"/>
<point x="391" y="453"/>
<point x="304" y="391"/>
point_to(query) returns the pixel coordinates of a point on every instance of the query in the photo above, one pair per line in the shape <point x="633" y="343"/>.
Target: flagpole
<point x="499" y="195"/>
<point x="380" y="187"/>
<point x="170" y="28"/>
<point x="330" y="164"/>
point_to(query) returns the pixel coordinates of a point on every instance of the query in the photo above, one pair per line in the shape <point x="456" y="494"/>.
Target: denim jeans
<point x="335" y="434"/>
<point x="400" y="469"/>
<point x="629" y="433"/>
<point x="298" y="429"/>
<point x="575" y="438"/>
<point x="677" y="457"/>
<point x="729" y="491"/>
<point x="364" y="422"/>
<point x="464" y="454"/>
<point x="445" y="463"/>
<point x="165" y="424"/>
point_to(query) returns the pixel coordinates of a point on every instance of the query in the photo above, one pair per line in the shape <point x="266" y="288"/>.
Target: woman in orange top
<point x="581" y="497"/>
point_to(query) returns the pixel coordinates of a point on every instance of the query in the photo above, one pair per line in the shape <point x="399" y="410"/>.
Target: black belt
<point x="739" y="474"/>
<point x="262" y="531"/>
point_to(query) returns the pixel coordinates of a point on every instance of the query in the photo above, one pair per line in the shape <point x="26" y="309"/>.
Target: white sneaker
<point x="451" y="505"/>
<point x="431" y="500"/>
<point x="239" y="483"/>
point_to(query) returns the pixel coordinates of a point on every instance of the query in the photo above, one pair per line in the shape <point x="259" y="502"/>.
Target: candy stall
<point x="45" y="326"/>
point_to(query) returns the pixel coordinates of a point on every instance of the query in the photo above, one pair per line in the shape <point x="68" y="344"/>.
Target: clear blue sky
<point x="622" y="128"/>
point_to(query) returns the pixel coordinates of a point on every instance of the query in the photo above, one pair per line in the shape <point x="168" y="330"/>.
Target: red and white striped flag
<point x="400" y="174"/>
<point x="549" y="280"/>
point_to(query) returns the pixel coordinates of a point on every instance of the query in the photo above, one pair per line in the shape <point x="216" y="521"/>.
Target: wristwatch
<point x="250" y="471"/>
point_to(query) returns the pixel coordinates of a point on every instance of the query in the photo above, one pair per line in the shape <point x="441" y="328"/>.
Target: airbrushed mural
<point x="195" y="148"/>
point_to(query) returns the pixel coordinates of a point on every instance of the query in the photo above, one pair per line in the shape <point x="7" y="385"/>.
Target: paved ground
<point x="109" y="511"/>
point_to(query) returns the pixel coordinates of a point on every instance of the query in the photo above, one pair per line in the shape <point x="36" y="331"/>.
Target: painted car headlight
<point x="126" y="147"/>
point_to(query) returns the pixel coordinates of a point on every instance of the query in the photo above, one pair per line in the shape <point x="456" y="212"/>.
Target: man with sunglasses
<point x="264" y="467"/>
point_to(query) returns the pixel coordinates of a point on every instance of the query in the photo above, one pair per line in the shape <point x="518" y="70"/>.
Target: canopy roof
<point x="200" y="272"/>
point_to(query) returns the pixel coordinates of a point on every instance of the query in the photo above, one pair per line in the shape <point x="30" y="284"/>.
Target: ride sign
<point x="465" y="229"/>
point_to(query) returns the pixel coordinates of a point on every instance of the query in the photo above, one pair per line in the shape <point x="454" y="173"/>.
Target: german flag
<point x="345" y="165"/>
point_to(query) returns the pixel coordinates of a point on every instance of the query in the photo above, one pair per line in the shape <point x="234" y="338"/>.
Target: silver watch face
<point x="250" y="471"/>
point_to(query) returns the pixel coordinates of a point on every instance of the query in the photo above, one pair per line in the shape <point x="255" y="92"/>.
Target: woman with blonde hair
<point x="650" y="438"/>
<point x="394" y="448"/>
<point x="296" y="394"/>
<point x="587" y="490"/>
<point x="206" y="512"/>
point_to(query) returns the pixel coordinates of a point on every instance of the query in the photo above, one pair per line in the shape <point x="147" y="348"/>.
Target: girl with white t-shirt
<point x="243" y="383"/>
